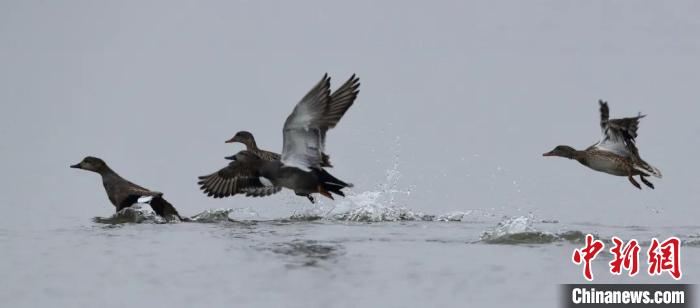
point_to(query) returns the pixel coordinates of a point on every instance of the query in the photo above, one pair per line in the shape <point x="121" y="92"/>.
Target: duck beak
<point x="548" y="154"/>
<point x="230" y="140"/>
<point x="75" y="166"/>
<point x="232" y="157"/>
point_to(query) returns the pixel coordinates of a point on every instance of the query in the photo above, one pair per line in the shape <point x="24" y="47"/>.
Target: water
<point x="368" y="249"/>
<point x="356" y="253"/>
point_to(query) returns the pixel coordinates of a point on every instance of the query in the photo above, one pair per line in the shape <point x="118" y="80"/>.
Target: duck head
<point x="563" y="151"/>
<point x="242" y="137"/>
<point x="91" y="164"/>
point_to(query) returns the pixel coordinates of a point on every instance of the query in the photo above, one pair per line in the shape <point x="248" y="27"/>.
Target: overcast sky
<point x="468" y="94"/>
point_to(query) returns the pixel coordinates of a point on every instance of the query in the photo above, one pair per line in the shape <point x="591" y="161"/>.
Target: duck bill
<point x="77" y="166"/>
<point x="548" y="154"/>
<point x="232" y="157"/>
<point x="232" y="140"/>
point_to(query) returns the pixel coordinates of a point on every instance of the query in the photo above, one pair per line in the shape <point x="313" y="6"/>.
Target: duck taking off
<point x="123" y="193"/>
<point x="616" y="153"/>
<point x="248" y="140"/>
<point x="300" y="166"/>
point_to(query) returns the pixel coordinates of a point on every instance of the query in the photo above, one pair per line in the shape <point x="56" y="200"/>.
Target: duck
<point x="247" y="139"/>
<point x="300" y="166"/>
<point x="616" y="153"/>
<point x="123" y="193"/>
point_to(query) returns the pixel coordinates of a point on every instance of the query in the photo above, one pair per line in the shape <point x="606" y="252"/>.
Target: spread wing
<point x="302" y="137"/>
<point x="340" y="102"/>
<point x="618" y="134"/>
<point x="241" y="176"/>
<point x="305" y="129"/>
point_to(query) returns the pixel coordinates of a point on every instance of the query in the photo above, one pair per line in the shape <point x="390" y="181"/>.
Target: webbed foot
<point x="311" y="198"/>
<point x="646" y="182"/>
<point x="634" y="182"/>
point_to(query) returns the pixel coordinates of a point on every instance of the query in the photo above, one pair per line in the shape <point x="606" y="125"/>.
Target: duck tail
<point x="647" y="168"/>
<point x="330" y="183"/>
<point x="163" y="208"/>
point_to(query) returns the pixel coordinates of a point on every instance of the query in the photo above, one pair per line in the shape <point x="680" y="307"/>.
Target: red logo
<point x="624" y="256"/>
<point x="665" y="257"/>
<point x="662" y="257"/>
<point x="593" y="247"/>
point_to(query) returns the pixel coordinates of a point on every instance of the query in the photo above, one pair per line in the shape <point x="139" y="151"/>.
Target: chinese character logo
<point x="624" y="256"/>
<point x="662" y="257"/>
<point x="665" y="257"/>
<point x="588" y="254"/>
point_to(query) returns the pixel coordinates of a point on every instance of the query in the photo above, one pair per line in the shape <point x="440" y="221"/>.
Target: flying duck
<point x="248" y="140"/>
<point x="300" y="166"/>
<point x="616" y="153"/>
<point x="123" y="193"/>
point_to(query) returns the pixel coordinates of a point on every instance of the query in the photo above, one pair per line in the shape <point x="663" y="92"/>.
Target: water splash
<point x="453" y="216"/>
<point x="136" y="213"/>
<point x="368" y="207"/>
<point x="143" y="213"/>
<point x="212" y="216"/>
<point x="520" y="230"/>
<point x="393" y="175"/>
<point x="379" y="204"/>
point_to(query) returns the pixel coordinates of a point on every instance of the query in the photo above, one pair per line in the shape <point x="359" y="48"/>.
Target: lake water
<point x="358" y="253"/>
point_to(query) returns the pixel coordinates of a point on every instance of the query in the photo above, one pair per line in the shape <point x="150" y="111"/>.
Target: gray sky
<point x="474" y="91"/>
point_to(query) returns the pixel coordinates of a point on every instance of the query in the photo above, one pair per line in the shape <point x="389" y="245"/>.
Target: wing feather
<point x="239" y="177"/>
<point x="305" y="129"/>
<point x="302" y="145"/>
<point x="340" y="101"/>
<point x="618" y="135"/>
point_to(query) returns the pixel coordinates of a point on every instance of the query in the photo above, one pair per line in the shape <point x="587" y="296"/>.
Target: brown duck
<point x="616" y="153"/>
<point x="123" y="193"/>
<point x="300" y="166"/>
<point x="343" y="95"/>
<point x="248" y="140"/>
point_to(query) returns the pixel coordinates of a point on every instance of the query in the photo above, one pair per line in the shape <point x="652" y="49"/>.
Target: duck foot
<point x="308" y="196"/>
<point x="311" y="198"/>
<point x="646" y="182"/>
<point x="634" y="182"/>
<point x="324" y="192"/>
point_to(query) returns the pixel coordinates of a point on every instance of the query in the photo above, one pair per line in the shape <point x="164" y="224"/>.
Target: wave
<point x="212" y="216"/>
<point x="143" y="213"/>
<point x="379" y="205"/>
<point x="693" y="241"/>
<point x="373" y="206"/>
<point x="308" y="252"/>
<point x="520" y="230"/>
<point x="136" y="213"/>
